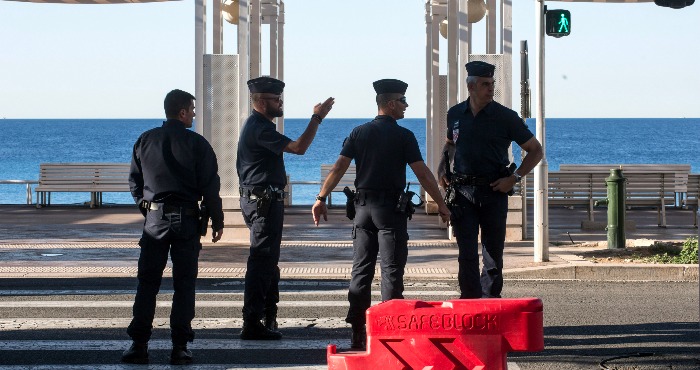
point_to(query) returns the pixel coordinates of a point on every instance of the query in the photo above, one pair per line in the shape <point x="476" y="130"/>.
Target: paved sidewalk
<point x="78" y="241"/>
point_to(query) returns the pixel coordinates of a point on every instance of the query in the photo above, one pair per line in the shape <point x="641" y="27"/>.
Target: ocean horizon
<point x="26" y="143"/>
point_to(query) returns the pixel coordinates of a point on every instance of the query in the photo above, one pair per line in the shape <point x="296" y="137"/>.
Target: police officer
<point x="172" y="168"/>
<point x="479" y="134"/>
<point x="262" y="178"/>
<point x="381" y="150"/>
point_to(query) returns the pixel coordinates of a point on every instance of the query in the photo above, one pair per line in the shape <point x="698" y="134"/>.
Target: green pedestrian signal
<point x="558" y="22"/>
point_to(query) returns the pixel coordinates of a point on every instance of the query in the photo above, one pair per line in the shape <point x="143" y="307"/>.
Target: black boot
<point x="136" y="354"/>
<point x="359" y="337"/>
<point x="255" y="330"/>
<point x="180" y="355"/>
<point x="271" y="318"/>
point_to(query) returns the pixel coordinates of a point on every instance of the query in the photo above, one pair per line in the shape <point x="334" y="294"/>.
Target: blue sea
<point x="25" y="143"/>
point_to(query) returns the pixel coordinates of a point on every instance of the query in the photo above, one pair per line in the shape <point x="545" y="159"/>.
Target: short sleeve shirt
<point x="381" y="150"/>
<point x="482" y="142"/>
<point x="260" y="160"/>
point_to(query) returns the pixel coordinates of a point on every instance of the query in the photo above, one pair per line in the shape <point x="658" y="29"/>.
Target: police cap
<point x="390" y="86"/>
<point x="265" y="85"/>
<point x="480" y="69"/>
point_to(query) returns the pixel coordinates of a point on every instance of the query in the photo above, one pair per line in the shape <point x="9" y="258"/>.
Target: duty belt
<point x="458" y="179"/>
<point x="257" y="192"/>
<point x="365" y="194"/>
<point x="169" y="208"/>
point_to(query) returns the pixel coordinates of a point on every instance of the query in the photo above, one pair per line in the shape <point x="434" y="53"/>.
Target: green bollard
<point x="616" y="208"/>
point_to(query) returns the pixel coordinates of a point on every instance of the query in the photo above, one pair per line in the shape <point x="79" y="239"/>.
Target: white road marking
<point x="163" y="322"/>
<point x="285" y="293"/>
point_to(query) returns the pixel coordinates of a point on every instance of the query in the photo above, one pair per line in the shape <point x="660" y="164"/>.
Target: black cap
<point x="265" y="85"/>
<point x="390" y="86"/>
<point x="480" y="69"/>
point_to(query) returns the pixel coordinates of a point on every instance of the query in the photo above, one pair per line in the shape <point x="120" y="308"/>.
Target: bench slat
<point x="94" y="178"/>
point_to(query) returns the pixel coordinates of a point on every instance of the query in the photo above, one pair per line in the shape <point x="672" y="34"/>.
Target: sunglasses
<point x="402" y="100"/>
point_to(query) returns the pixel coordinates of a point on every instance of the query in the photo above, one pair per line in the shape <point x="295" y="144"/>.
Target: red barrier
<point x="459" y="334"/>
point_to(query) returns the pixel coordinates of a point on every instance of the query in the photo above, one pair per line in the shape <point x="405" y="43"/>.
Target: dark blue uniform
<point x="381" y="150"/>
<point x="172" y="168"/>
<point x="481" y="154"/>
<point x="260" y="166"/>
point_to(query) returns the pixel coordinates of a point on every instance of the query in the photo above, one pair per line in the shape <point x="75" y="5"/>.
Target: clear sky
<point x="118" y="61"/>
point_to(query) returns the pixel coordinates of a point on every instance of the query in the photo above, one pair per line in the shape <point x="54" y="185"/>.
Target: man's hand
<point x="216" y="236"/>
<point x="504" y="184"/>
<point x="318" y="209"/>
<point x="444" y="213"/>
<point x="322" y="109"/>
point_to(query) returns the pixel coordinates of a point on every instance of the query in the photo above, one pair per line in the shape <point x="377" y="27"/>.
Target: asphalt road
<point x="80" y="323"/>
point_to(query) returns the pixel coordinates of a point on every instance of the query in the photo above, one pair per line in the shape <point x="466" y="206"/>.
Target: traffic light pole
<point x="541" y="205"/>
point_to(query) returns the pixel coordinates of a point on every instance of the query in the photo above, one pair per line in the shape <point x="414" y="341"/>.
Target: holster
<point x="450" y="195"/>
<point x="349" y="203"/>
<point x="402" y="204"/>
<point x="263" y="202"/>
<point x="203" y="219"/>
<point x="509" y="171"/>
<point x="405" y="205"/>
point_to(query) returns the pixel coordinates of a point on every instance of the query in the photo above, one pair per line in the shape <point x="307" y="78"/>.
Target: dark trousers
<point x="165" y="233"/>
<point x="377" y="229"/>
<point x="487" y="209"/>
<point x="262" y="274"/>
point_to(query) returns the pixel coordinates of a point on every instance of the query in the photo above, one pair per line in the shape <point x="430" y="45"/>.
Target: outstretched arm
<point x="300" y="145"/>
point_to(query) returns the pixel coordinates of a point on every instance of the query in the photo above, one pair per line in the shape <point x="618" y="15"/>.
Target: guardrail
<point x="27" y="183"/>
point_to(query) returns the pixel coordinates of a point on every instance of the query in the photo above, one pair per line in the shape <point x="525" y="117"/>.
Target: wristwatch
<point x="517" y="177"/>
<point x="322" y="199"/>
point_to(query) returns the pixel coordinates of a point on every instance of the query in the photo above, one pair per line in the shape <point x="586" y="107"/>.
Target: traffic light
<point x="675" y="4"/>
<point x="558" y="22"/>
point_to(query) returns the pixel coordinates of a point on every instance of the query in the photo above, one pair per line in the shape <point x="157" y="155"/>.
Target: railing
<point x="27" y="183"/>
<point x="290" y="185"/>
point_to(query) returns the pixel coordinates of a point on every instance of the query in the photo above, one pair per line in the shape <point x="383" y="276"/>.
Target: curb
<point x="608" y="272"/>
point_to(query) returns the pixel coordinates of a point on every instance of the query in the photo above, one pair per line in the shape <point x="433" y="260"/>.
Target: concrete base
<point x="431" y="207"/>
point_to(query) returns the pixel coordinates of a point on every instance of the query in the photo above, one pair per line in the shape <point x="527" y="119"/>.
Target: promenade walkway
<point x="78" y="241"/>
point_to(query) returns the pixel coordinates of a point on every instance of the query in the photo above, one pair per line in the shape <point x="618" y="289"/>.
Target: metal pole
<point x="254" y="39"/>
<point x="200" y="39"/>
<point x="280" y="58"/>
<point x="218" y="28"/>
<point x="428" y="78"/>
<point x="464" y="51"/>
<point x="452" y="57"/>
<point x="243" y="62"/>
<point x="525" y="113"/>
<point x="541" y="223"/>
<point x="434" y="88"/>
<point x="491" y="27"/>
